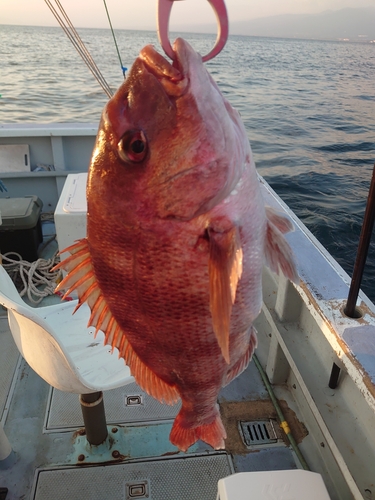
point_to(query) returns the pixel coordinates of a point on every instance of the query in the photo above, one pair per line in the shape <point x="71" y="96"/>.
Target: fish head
<point x="169" y="144"/>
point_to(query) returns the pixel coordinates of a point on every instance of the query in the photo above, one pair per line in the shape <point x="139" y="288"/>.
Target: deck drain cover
<point x="259" y="432"/>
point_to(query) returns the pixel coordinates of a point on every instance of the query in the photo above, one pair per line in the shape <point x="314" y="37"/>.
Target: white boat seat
<point x="58" y="345"/>
<point x="273" y="485"/>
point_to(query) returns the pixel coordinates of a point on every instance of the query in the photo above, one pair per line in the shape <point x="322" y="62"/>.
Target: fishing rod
<point x="350" y="308"/>
<point x="363" y="248"/>
<point x="78" y="43"/>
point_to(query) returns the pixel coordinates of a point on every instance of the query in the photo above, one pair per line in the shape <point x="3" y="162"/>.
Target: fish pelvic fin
<point x="183" y="435"/>
<point x="81" y="277"/>
<point x="225" y="269"/>
<point x="278" y="254"/>
<point x="242" y="363"/>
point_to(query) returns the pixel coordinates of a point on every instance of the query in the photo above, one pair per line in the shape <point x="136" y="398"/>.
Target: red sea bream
<point x="177" y="234"/>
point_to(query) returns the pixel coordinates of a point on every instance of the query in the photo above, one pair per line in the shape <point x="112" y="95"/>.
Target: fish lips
<point x="174" y="77"/>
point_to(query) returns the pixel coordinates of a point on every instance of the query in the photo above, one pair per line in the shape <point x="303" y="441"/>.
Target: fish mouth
<point x="172" y="76"/>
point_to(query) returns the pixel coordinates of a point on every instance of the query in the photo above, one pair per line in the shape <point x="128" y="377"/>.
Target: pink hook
<point x="164" y="12"/>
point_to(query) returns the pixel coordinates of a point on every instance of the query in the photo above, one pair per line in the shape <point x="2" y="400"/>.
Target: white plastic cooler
<point x="71" y="211"/>
<point x="273" y="485"/>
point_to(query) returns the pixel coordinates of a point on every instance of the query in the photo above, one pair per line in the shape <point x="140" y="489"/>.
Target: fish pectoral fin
<point x="278" y="253"/>
<point x="225" y="269"/>
<point x="81" y="278"/>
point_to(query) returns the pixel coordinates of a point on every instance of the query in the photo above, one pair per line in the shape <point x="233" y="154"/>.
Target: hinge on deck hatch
<point x="134" y="400"/>
<point x="137" y="489"/>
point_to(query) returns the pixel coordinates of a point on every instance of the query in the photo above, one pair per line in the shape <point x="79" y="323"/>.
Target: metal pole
<point x="94" y="417"/>
<point x="7" y="455"/>
<point x="334" y="378"/>
<point x="5" y="448"/>
<point x="363" y="247"/>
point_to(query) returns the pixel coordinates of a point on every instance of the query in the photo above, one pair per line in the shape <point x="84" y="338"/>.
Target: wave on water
<point x="308" y="107"/>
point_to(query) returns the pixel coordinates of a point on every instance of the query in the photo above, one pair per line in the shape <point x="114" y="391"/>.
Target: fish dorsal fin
<point x="81" y="278"/>
<point x="278" y="253"/>
<point x="225" y="269"/>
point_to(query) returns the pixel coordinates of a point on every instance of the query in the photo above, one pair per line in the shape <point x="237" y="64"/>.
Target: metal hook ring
<point x="164" y="12"/>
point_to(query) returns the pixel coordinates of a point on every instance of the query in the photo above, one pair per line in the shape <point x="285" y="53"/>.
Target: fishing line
<point x="79" y="45"/>
<point x="114" y="39"/>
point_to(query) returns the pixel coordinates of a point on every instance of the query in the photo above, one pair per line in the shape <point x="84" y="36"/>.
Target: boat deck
<point x="53" y="459"/>
<point x="302" y="332"/>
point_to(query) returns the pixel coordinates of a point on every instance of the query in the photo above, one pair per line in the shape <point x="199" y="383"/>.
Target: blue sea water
<point x="308" y="107"/>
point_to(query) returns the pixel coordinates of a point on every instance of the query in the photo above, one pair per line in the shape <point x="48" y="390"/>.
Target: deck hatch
<point x="258" y="432"/>
<point x="128" y="404"/>
<point x="191" y="477"/>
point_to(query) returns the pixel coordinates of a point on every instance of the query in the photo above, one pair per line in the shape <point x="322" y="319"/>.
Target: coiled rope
<point x="34" y="279"/>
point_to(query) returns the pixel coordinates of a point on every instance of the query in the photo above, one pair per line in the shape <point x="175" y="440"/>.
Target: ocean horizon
<point x="308" y="107"/>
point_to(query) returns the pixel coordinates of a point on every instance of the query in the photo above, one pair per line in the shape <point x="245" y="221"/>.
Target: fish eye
<point x="133" y="146"/>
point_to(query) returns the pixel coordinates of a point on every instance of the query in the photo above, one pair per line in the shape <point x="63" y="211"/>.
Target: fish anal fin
<point x="278" y="254"/>
<point x="225" y="269"/>
<point x="145" y="377"/>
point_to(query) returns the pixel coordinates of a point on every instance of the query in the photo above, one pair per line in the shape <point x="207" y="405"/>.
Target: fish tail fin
<point x="183" y="434"/>
<point x="278" y="253"/>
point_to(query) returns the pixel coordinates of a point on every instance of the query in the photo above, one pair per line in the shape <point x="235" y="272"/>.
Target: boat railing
<point x="55" y="150"/>
<point x="303" y="333"/>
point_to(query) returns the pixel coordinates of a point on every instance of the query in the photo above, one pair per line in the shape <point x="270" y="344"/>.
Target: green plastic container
<point x="21" y="228"/>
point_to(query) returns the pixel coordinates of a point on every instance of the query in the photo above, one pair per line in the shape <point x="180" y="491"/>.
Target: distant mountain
<point x="355" y="24"/>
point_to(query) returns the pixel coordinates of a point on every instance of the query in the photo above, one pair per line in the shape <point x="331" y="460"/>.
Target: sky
<point x="141" y="14"/>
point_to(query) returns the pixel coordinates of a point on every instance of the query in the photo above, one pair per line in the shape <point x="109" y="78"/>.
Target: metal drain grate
<point x="259" y="432"/>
